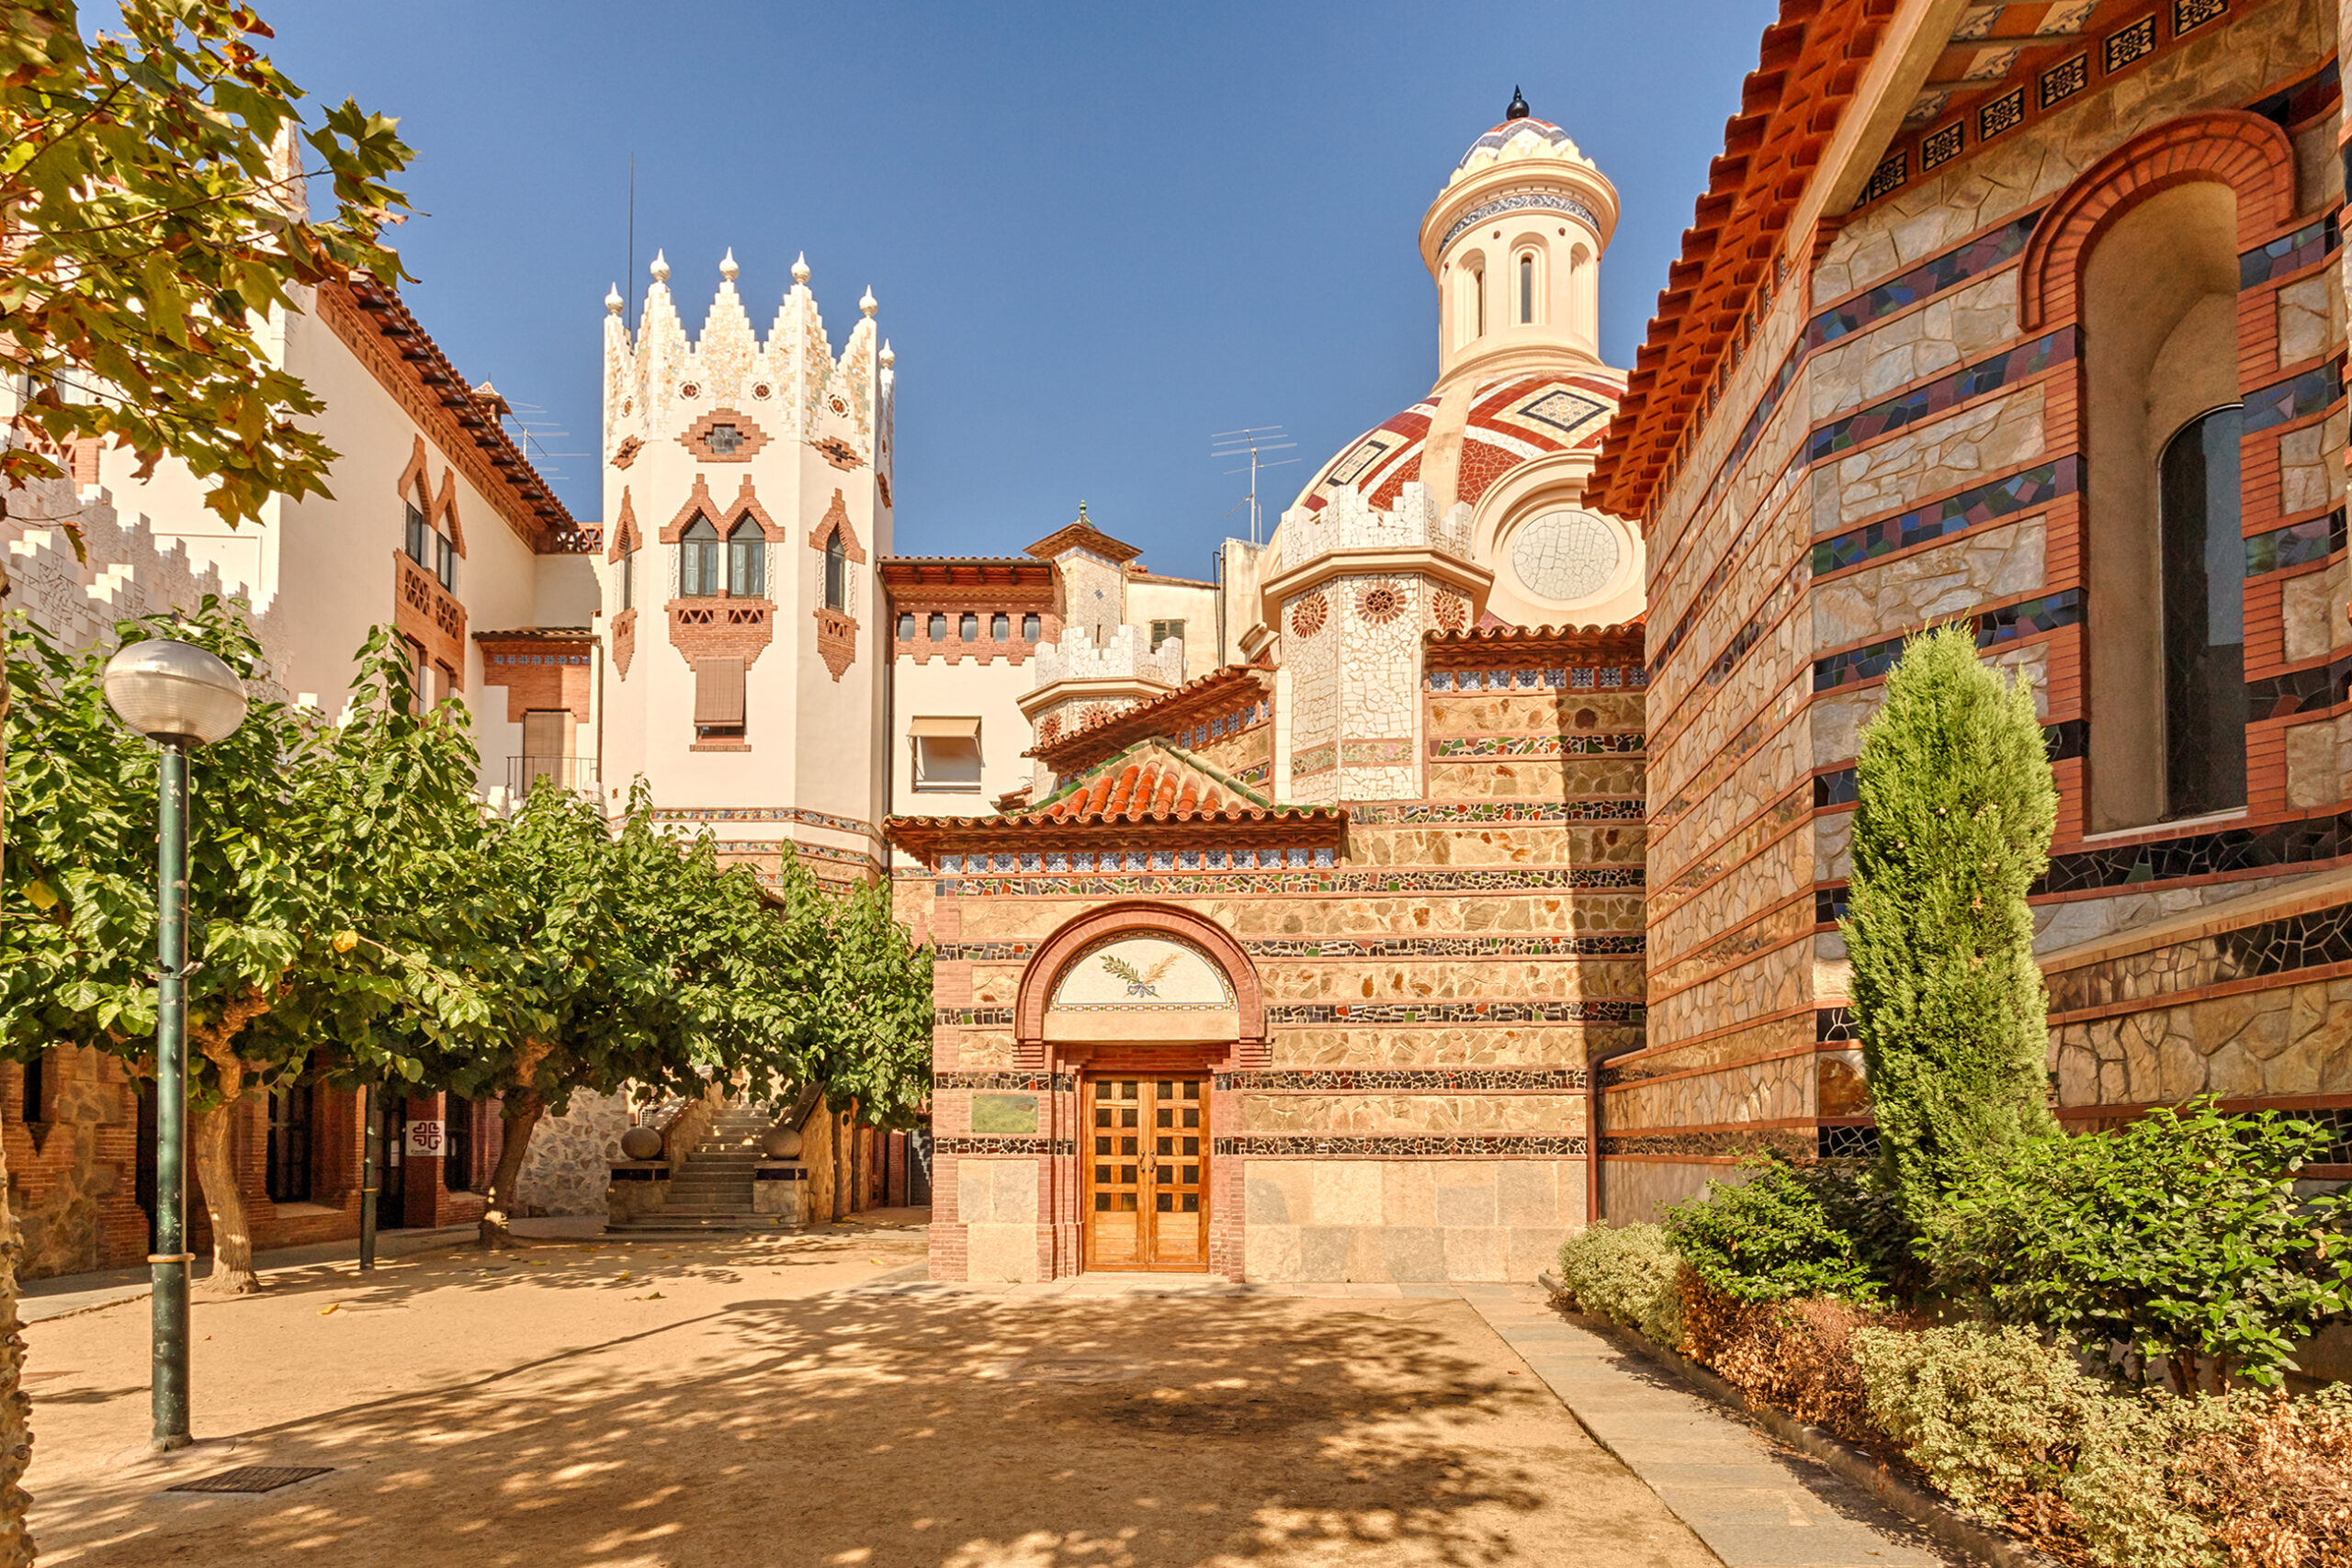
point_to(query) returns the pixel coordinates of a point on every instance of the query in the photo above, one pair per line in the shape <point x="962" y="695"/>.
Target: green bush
<point x="1952" y="819"/>
<point x="2013" y="1431"/>
<point x="2179" y="1235"/>
<point x="1791" y="1231"/>
<point x="1626" y="1275"/>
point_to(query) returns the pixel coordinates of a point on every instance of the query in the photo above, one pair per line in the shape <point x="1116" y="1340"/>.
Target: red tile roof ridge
<point x="1230" y="674"/>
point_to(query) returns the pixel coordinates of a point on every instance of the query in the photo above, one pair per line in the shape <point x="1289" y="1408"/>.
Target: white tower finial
<point x="800" y="268"/>
<point x="888" y="358"/>
<point x="614" y="303"/>
<point x="727" y="267"/>
<point x="661" y="268"/>
<point x="866" y="303"/>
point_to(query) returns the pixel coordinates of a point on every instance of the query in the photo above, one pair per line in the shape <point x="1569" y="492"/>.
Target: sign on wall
<point x="425" y="1138"/>
<point x="1139" y="971"/>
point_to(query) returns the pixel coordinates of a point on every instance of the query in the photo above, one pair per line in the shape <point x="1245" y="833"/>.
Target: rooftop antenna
<point x="1257" y="440"/>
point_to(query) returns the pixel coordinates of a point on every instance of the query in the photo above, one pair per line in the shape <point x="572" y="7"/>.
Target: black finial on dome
<point x="1518" y="109"/>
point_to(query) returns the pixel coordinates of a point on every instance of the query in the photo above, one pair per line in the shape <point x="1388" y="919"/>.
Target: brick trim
<point x="429" y="614"/>
<point x="836" y="642"/>
<point x="2240" y="149"/>
<point x="696" y="438"/>
<point x="1057" y="951"/>
<point x="698" y="498"/>
<point x="624" y="535"/>
<point x="624" y="640"/>
<point x="444" y="511"/>
<point x="837" y="515"/>
<point x="721" y="627"/>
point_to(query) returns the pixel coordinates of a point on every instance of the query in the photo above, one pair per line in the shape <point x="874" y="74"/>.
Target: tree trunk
<point x="216" y="1173"/>
<point x="520" y="1112"/>
<point x="16" y="1410"/>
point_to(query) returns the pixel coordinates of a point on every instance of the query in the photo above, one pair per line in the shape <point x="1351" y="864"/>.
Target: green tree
<point x="319" y="866"/>
<point x="628" y="957"/>
<point x="872" y="1025"/>
<point x="1952" y="827"/>
<point x="2179" y="1235"/>
<point x="146" y="231"/>
<point x="150" y="234"/>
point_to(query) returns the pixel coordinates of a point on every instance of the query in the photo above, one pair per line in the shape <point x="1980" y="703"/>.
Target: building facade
<point x="1285" y="959"/>
<point x="2031" y="315"/>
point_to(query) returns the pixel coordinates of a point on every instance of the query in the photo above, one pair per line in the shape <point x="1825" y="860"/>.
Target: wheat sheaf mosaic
<point x="1139" y="970"/>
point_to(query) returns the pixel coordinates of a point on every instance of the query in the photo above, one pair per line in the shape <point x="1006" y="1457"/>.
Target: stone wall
<point x="569" y="1165"/>
<point x="1895" y="449"/>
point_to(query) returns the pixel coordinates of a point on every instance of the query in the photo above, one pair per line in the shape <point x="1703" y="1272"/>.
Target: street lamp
<point x="177" y="695"/>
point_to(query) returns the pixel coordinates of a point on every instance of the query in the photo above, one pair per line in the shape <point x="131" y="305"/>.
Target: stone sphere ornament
<point x="641" y="1143"/>
<point x="781" y="1143"/>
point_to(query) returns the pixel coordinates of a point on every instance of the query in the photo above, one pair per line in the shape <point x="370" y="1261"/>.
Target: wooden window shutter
<point x="719" y="691"/>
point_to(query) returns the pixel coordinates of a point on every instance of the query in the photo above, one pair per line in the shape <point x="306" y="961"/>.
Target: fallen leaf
<point x="623" y="1279"/>
<point x="323" y="1311"/>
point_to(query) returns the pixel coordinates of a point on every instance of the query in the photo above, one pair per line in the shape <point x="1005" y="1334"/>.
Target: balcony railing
<point x="527" y="773"/>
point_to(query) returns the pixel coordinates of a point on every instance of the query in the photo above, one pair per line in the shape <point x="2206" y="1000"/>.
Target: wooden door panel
<point x="1146" y="1173"/>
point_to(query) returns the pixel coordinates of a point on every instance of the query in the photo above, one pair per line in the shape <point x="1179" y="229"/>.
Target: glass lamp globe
<point x="168" y="689"/>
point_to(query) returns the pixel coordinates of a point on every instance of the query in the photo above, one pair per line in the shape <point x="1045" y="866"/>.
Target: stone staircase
<point x="711" y="1188"/>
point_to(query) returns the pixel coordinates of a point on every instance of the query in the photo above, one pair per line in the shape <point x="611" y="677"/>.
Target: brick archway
<point x="2240" y="150"/>
<point x="1136" y="914"/>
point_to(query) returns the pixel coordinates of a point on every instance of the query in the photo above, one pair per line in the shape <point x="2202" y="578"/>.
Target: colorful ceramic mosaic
<point x="1586" y="1011"/>
<point x="761" y="814"/>
<point x="947" y="1144"/>
<point x="2298" y="396"/>
<point x="1405" y="1146"/>
<point x="1058" y="1083"/>
<point x="2306" y="246"/>
<point x="1941" y="395"/>
<point x="2299" y="691"/>
<point x="1621" y="809"/>
<point x="1610" y="944"/>
<point x="2029" y="618"/>
<point x="2308" y="940"/>
<point x="2298" y="544"/>
<point x="1407" y="1080"/>
<point x="1240" y="883"/>
<point x="1925" y="281"/>
<point x="2002" y="498"/>
<point x="1622" y="743"/>
<point x="1628" y="678"/>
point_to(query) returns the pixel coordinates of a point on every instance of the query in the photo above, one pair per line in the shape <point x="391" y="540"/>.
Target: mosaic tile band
<point x="1591" y="1010"/>
<point x="1040" y="1083"/>
<point x="1499" y="1145"/>
<point x="1615" y="944"/>
<point x="1364" y="882"/>
<point x="988" y="1145"/>
<point x="1407" y="1080"/>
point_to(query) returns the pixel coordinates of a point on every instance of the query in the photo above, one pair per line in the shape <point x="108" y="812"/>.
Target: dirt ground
<point x="722" y="1402"/>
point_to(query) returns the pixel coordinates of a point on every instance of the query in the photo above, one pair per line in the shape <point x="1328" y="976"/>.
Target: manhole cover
<point x="251" y="1478"/>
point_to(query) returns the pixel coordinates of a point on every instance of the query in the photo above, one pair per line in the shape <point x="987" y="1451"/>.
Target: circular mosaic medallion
<point x="1306" y="616"/>
<point x="1050" y="730"/>
<point x="762" y="391"/>
<point x="690" y="390"/>
<point x="1565" y="556"/>
<point x="1451" y="611"/>
<point x="1380" y="603"/>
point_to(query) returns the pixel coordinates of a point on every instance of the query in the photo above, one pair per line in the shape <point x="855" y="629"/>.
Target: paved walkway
<point x="1755" y="1502"/>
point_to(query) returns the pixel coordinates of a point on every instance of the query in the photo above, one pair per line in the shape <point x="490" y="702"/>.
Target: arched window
<point x="2164" y="562"/>
<point x="1527" y="289"/>
<point x="699" y="560"/>
<point x="746" y="560"/>
<point x="836" y="571"/>
<point x="2204" y="615"/>
<point x="1478" y="302"/>
<point x="628" y="580"/>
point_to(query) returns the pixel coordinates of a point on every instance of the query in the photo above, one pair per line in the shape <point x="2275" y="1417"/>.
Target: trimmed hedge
<point x="1626" y="1275"/>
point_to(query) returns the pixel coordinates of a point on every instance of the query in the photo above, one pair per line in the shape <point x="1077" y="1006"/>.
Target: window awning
<point x="719" y="691"/>
<point x="943" y="728"/>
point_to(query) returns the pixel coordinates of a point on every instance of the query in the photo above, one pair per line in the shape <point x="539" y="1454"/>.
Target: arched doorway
<point x="1135" y="1009"/>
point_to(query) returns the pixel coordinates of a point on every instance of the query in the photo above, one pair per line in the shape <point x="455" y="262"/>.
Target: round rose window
<point x="1565" y="556"/>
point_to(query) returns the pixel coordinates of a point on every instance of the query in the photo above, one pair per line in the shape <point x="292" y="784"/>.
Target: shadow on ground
<point x="889" y="1430"/>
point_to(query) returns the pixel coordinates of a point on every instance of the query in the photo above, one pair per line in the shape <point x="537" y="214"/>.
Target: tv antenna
<point x="1256" y="441"/>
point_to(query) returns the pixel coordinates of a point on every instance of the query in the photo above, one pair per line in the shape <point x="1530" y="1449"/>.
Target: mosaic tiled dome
<point x="1524" y="138"/>
<point x="1490" y="429"/>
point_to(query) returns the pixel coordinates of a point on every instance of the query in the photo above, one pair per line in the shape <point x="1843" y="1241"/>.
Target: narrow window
<point x="746" y="560"/>
<point x="906" y="625"/>
<point x="999" y="627"/>
<point x="414" y="541"/>
<point x="936" y="629"/>
<point x="1029" y="628"/>
<point x="967" y="627"/>
<point x="457" y="1144"/>
<point x="699" y="560"/>
<point x="287" y="1176"/>
<point x="836" y="571"/>
<point x="1478" y="303"/>
<point x="628" y="580"/>
<point x="445" y="560"/>
<point x="36" y="1105"/>
<point x="1526" y="290"/>
<point x="1162" y="630"/>
<point x="2204" y="615"/>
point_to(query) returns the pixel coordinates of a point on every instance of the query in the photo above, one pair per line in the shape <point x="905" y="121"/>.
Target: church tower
<point x="747" y="493"/>
<point x="1465" y="511"/>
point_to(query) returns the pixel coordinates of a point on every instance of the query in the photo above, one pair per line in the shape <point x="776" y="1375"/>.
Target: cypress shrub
<point x="1956" y="808"/>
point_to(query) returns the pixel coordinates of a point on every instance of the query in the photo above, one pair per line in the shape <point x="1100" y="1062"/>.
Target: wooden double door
<point x="1147" y="1163"/>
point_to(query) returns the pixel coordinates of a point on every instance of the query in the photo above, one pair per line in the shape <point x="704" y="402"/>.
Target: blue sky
<point x="1098" y="234"/>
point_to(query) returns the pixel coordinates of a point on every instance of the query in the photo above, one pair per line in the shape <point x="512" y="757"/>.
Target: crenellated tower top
<point x="659" y="382"/>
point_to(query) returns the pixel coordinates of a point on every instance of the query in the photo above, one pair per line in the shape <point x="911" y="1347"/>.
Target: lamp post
<point x="177" y="695"/>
